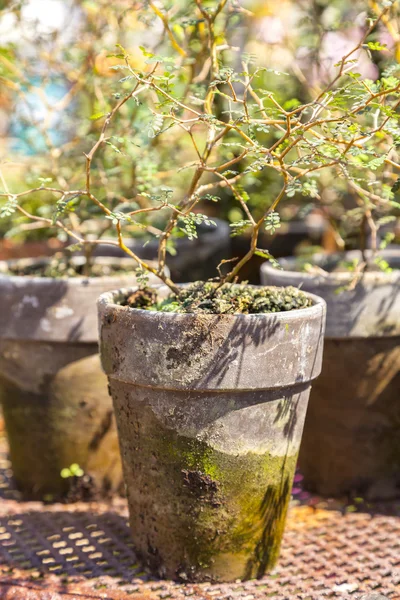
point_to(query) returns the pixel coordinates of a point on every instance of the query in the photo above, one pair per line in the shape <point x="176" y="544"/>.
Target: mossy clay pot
<point x="210" y="412"/>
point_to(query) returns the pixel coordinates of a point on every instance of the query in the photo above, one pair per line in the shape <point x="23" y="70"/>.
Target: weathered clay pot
<point x="195" y="259"/>
<point x="210" y="412"/>
<point x="10" y="250"/>
<point x="351" y="440"/>
<point x="55" y="401"/>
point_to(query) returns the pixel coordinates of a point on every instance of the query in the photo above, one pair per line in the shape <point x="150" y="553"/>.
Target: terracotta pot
<point x="9" y="250"/>
<point x="210" y="412"/>
<point x="54" y="395"/>
<point x="352" y="432"/>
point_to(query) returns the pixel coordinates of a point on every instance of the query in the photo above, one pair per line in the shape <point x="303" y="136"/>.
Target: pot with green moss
<point x="210" y="390"/>
<point x="352" y="432"/>
<point x="54" y="396"/>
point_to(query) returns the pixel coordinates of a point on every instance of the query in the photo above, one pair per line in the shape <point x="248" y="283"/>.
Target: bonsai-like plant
<point x="210" y="409"/>
<point x="210" y="102"/>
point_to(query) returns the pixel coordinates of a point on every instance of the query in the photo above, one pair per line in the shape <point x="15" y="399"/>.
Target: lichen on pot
<point x="210" y="410"/>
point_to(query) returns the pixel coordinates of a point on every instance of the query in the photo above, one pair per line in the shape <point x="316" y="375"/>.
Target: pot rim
<point x="335" y="278"/>
<point x="77" y="260"/>
<point x="107" y="299"/>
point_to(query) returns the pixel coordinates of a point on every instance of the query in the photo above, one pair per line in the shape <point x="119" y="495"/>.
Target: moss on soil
<point x="231" y="298"/>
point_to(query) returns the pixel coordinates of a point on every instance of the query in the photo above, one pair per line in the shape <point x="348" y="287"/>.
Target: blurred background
<point x="57" y="81"/>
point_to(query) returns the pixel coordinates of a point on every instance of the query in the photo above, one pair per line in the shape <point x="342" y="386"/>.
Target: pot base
<point x="207" y="500"/>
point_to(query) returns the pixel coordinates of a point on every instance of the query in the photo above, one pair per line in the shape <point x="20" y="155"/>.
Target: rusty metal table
<point x="79" y="551"/>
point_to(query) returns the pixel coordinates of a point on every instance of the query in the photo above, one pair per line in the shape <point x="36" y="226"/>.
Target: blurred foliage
<point x="62" y="72"/>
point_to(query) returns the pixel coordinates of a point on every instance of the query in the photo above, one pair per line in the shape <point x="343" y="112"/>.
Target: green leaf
<point x="272" y="222"/>
<point x="97" y="116"/>
<point x="9" y="207"/>
<point x="145" y="52"/>
<point x="375" y="46"/>
<point x="239" y="227"/>
<point x="114" y="147"/>
<point x="74" y="247"/>
<point x="122" y="49"/>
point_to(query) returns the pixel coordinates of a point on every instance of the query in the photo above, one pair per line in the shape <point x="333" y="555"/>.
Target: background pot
<point x="195" y="259"/>
<point x="56" y="415"/>
<point x="352" y="431"/>
<point x="11" y="250"/>
<point x="210" y="412"/>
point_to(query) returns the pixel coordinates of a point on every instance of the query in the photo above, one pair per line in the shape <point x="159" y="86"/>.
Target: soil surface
<point x="59" y="268"/>
<point x="207" y="297"/>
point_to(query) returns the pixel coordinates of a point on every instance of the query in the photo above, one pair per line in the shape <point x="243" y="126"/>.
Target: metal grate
<point x="83" y="550"/>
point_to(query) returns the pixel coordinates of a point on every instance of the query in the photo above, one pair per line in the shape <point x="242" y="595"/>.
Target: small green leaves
<point x="65" y="205"/>
<point x="145" y="52"/>
<point x="142" y="276"/>
<point x="75" y="247"/>
<point x="155" y="126"/>
<point x="119" y="217"/>
<point x="265" y="254"/>
<point x="388" y="239"/>
<point x="383" y="264"/>
<point x="97" y="116"/>
<point x="73" y="471"/>
<point x="211" y="198"/>
<point x="188" y="224"/>
<point x="239" y="227"/>
<point x="114" y="147"/>
<point x="307" y="188"/>
<point x="377" y="162"/>
<point x="377" y="46"/>
<point x="272" y="222"/>
<point x="9" y="207"/>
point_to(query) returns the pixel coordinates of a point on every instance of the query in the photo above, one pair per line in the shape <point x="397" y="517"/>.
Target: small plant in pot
<point x="210" y="381"/>
<point x="350" y="443"/>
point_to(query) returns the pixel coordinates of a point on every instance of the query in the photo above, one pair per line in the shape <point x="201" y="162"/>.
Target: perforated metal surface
<point x="84" y="551"/>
